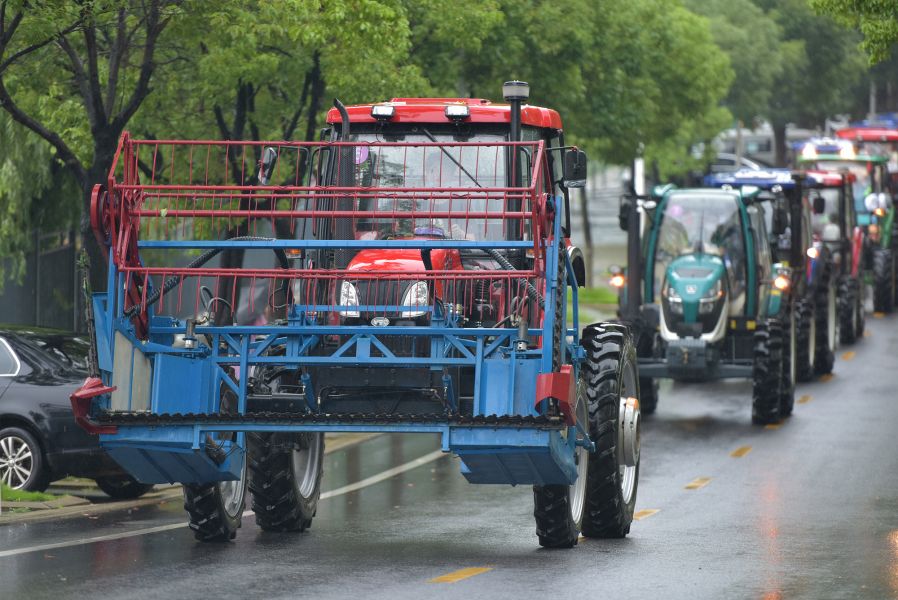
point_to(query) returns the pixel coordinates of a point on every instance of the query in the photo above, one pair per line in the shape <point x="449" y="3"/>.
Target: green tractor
<point x="875" y="211"/>
<point x="705" y="298"/>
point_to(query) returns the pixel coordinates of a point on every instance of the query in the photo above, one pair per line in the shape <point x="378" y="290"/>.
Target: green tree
<point x="877" y="20"/>
<point x="76" y="73"/>
<point x="821" y="67"/>
<point x="751" y="39"/>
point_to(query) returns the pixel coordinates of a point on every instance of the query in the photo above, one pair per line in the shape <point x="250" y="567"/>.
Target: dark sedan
<point x="39" y="440"/>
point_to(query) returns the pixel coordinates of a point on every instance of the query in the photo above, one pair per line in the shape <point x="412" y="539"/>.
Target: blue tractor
<point x="419" y="283"/>
<point x="705" y="296"/>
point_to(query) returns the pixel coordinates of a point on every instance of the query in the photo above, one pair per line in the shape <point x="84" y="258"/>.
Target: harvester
<point x="420" y="284"/>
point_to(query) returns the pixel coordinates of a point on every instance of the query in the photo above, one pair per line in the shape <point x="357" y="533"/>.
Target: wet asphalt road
<point x="808" y="509"/>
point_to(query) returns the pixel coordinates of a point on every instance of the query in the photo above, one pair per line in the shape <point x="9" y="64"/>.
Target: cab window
<point x="9" y="364"/>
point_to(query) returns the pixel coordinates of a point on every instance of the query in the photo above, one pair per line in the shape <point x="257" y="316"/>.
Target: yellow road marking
<point x="848" y="355"/>
<point x="697" y="484"/>
<point x="878" y="315"/>
<point x="867" y="333"/>
<point x="826" y="377"/>
<point x="740" y="452"/>
<point x="460" y="574"/>
<point x="645" y="513"/>
<point x="773" y="426"/>
<point x="804" y="399"/>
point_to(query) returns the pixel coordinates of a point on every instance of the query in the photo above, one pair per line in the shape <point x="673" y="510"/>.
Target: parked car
<point x="39" y="439"/>
<point x="726" y="162"/>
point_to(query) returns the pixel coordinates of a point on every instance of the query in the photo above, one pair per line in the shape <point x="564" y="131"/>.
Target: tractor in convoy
<point x="703" y="296"/>
<point x="819" y="285"/>
<point x="421" y="278"/>
<point x="874" y="206"/>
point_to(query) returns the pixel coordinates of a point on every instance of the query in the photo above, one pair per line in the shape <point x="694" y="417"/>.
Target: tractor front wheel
<point x="827" y="326"/>
<point x="850" y="327"/>
<point x="767" y="373"/>
<point x="614" y="426"/>
<point x="285" y="478"/>
<point x="790" y="358"/>
<point x="883" y="281"/>
<point x="215" y="510"/>
<point x="806" y="340"/>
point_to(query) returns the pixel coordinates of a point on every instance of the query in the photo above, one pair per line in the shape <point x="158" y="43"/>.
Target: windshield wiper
<point x="452" y="158"/>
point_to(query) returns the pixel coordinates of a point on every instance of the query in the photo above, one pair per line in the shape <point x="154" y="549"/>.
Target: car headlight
<point x="349" y="296"/>
<point x="416" y="296"/>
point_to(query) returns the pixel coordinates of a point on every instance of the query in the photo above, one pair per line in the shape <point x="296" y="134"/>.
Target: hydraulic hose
<point x="199" y="261"/>
<point x="504" y="262"/>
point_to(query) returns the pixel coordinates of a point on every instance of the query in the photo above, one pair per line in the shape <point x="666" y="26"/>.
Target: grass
<point x="597" y="295"/>
<point x="11" y="495"/>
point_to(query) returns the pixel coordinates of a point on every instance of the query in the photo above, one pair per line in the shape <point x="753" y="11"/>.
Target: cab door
<point x="764" y="261"/>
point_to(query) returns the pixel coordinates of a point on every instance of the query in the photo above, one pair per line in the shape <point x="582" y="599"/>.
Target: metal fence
<point x="47" y="296"/>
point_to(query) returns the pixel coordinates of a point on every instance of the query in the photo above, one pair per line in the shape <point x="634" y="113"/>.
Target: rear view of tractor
<point x="419" y="280"/>
<point x="704" y="297"/>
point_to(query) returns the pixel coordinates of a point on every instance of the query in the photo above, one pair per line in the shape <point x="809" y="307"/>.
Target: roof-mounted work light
<point x="457" y="112"/>
<point x="383" y="112"/>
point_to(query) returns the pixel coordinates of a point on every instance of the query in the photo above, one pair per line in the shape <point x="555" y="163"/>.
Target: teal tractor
<point x="705" y="298"/>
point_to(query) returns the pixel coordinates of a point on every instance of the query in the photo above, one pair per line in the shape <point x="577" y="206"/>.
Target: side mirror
<point x="623" y="215"/>
<point x="266" y="165"/>
<point x="819" y="205"/>
<point x="780" y="221"/>
<point x="574" y="168"/>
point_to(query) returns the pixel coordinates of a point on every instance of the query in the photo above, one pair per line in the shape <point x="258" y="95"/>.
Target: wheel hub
<point x="629" y="431"/>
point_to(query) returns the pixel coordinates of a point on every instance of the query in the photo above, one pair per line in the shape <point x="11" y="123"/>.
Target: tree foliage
<point x="877" y="20"/>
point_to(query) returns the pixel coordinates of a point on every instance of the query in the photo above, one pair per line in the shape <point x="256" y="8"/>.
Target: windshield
<point x="830" y="215"/>
<point x="696" y="223"/>
<point x="431" y="167"/>
<point x="866" y="182"/>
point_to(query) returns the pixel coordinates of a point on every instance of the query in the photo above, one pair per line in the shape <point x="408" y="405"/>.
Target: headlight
<point x="349" y="296"/>
<point x="416" y="296"/>
<point x="674" y="301"/>
<point x="709" y="299"/>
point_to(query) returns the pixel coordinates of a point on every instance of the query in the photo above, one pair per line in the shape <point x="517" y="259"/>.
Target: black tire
<point x="648" y="395"/>
<point x="827" y="323"/>
<point x="644" y="337"/>
<point x="285" y="478"/>
<point x="883" y="281"/>
<point x="30" y="471"/>
<point x="806" y="340"/>
<point x="123" y="487"/>
<point x="767" y="373"/>
<point x="211" y="516"/>
<point x="848" y="311"/>
<point x="787" y="379"/>
<point x="860" y="308"/>
<point x="612" y="374"/>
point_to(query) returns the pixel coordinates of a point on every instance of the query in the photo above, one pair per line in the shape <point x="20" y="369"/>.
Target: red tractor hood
<point x="403" y="259"/>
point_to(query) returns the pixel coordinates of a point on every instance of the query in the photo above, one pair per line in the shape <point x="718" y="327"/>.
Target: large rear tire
<point x="285" y="478"/>
<point x="883" y="280"/>
<point x="767" y="373"/>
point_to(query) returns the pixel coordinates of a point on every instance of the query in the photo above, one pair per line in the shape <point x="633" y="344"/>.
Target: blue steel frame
<point x="504" y="377"/>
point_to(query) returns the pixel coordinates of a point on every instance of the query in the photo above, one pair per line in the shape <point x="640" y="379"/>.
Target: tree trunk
<point x="779" y="143"/>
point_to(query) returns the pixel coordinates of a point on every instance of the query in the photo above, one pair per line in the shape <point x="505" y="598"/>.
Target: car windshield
<point x="696" y="223"/>
<point x="431" y="167"/>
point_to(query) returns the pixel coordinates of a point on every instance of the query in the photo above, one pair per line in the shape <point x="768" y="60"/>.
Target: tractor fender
<point x="578" y="262"/>
<point x="857" y="250"/>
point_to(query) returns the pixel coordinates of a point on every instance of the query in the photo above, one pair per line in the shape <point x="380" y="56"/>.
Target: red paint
<point x="868" y="134"/>
<point x="433" y="110"/>
<point x="81" y="400"/>
<point x="561" y="387"/>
